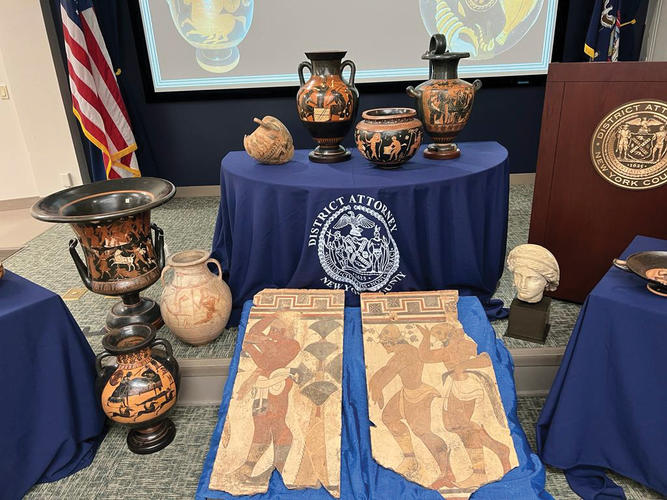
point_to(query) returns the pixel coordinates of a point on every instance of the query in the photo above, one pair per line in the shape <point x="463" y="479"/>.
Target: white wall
<point x="35" y="102"/>
<point x="654" y="46"/>
<point x="16" y="177"/>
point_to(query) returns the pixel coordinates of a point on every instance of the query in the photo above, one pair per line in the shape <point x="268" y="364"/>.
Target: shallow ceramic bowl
<point x="651" y="266"/>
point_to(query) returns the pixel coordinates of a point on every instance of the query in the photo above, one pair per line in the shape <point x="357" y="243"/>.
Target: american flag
<point x="96" y="98"/>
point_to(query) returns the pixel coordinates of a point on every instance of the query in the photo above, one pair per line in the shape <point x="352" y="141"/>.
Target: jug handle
<point x="213" y="261"/>
<point x="80" y="266"/>
<point x="621" y="264"/>
<point x="353" y="71"/>
<point x="164" y="271"/>
<point x="413" y="92"/>
<point x="98" y="363"/>
<point x="304" y="64"/>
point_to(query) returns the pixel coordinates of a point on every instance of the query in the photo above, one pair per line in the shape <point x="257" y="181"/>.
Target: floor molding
<point x="5" y="253"/>
<point x="522" y="179"/>
<point x="197" y="191"/>
<point x="17" y="203"/>
<point x="203" y="380"/>
<point x="535" y="369"/>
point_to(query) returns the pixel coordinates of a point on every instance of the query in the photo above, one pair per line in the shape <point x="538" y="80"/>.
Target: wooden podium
<point x="583" y="218"/>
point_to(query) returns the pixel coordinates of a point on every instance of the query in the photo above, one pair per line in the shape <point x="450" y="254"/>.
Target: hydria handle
<point x="413" y="92"/>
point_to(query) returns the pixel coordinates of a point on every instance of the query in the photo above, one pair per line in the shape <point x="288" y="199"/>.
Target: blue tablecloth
<point x="607" y="408"/>
<point x="51" y="422"/>
<point x="361" y="477"/>
<point x="430" y="225"/>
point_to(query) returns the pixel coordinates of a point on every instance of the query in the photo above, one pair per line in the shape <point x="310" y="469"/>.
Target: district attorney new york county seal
<point x="629" y="146"/>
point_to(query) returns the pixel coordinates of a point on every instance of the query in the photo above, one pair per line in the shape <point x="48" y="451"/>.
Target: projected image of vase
<point x="484" y="28"/>
<point x="214" y="28"/>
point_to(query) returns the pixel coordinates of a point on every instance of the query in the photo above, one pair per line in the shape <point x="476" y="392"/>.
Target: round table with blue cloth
<point x="52" y="422"/>
<point x="430" y="225"/>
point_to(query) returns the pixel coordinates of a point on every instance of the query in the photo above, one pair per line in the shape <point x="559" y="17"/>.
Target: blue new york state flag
<point x="602" y="38"/>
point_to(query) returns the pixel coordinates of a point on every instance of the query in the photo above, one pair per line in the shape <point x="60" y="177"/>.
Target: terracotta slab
<point x="438" y="417"/>
<point x="285" y="410"/>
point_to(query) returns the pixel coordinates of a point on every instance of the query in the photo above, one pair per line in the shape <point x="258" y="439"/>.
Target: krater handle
<point x="621" y="264"/>
<point x="214" y="261"/>
<point x="98" y="363"/>
<point x="304" y="64"/>
<point x="353" y="71"/>
<point x="477" y="84"/>
<point x="158" y="244"/>
<point x="80" y="265"/>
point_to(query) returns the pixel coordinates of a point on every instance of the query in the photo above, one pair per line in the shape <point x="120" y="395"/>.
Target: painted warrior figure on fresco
<point x="412" y="404"/>
<point x="463" y="389"/>
<point x="269" y="386"/>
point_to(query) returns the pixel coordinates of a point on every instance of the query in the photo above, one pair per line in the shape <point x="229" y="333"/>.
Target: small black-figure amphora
<point x="140" y="389"/>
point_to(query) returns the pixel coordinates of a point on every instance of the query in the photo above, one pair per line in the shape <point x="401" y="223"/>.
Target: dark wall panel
<point x="184" y="140"/>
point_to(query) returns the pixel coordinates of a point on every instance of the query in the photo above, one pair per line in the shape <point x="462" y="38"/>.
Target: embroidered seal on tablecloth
<point x="353" y="238"/>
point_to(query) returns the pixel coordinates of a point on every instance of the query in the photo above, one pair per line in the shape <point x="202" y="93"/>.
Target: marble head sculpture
<point x="535" y="269"/>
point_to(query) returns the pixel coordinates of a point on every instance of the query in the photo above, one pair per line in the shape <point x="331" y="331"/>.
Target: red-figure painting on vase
<point x="327" y="104"/>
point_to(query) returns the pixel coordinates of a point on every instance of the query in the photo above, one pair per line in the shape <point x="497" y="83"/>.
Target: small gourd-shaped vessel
<point x="444" y="101"/>
<point x="270" y="143"/>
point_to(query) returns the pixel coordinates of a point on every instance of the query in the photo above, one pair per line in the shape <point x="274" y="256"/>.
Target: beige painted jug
<point x="196" y="303"/>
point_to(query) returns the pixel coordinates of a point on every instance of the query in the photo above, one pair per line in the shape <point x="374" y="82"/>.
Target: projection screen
<point x="232" y="44"/>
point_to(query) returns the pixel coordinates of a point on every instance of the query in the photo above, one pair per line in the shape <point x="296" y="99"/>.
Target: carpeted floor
<point x="189" y="223"/>
<point x="174" y="472"/>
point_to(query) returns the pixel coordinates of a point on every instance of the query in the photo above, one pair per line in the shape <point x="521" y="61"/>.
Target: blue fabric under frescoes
<point x="361" y="477"/>
<point x="607" y="408"/>
<point x="51" y="423"/>
<point x="429" y="225"/>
